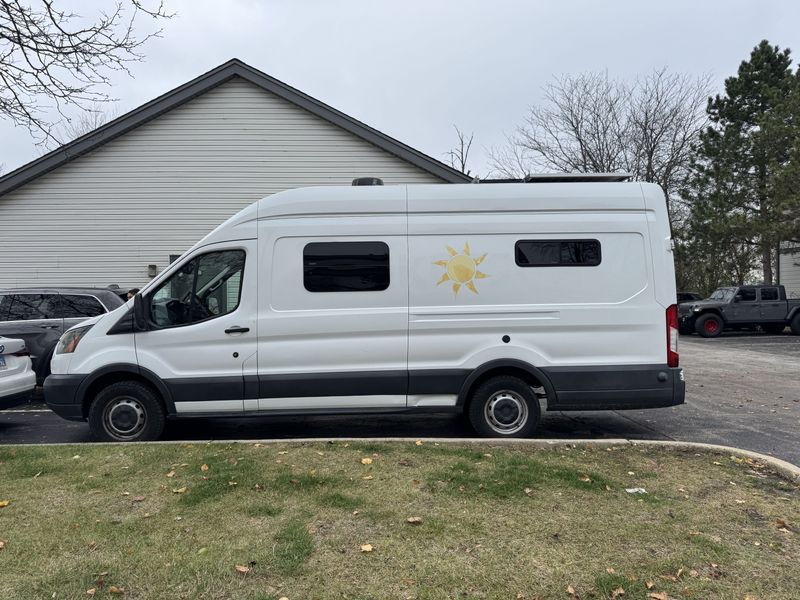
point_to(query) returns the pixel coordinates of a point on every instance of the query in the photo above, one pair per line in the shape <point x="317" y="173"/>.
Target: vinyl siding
<point x="790" y="273"/>
<point x="103" y="217"/>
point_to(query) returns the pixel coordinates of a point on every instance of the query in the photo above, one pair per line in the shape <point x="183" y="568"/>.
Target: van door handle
<point x="237" y="329"/>
<point x="49" y="326"/>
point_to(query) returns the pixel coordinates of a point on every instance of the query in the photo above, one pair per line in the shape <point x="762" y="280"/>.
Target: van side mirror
<point x="139" y="320"/>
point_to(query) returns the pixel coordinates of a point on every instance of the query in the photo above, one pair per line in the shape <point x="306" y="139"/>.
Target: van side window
<point x="206" y="287"/>
<point x="346" y="266"/>
<point x="557" y="253"/>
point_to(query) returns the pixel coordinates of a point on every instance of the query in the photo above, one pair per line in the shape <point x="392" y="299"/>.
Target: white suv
<point x="17" y="377"/>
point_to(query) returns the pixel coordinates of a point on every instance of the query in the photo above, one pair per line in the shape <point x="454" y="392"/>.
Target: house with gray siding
<point x="114" y="206"/>
<point x="789" y="270"/>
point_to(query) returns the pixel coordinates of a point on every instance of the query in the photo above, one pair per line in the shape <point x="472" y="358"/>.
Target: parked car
<point x="17" y="378"/>
<point x="688" y="297"/>
<point x="476" y="299"/>
<point x="39" y="316"/>
<point x="743" y="307"/>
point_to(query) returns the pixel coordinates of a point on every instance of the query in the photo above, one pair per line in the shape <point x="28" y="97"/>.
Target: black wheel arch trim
<point x="505" y="363"/>
<point x="144" y="373"/>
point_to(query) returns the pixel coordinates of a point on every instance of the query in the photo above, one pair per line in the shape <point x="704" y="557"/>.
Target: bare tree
<point x="85" y="122"/>
<point x="51" y="60"/>
<point x="459" y="155"/>
<point x="590" y="123"/>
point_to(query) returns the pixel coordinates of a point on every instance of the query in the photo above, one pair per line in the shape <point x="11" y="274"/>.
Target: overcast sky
<point x="413" y="69"/>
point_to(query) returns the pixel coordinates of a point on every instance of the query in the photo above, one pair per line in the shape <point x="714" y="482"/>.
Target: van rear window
<point x="346" y="266"/>
<point x="557" y="253"/>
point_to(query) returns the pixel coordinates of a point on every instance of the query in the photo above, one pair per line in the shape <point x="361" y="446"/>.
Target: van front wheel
<point x="126" y="411"/>
<point x="505" y="407"/>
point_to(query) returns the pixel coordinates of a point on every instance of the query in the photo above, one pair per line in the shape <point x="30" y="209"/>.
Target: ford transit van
<point x="495" y="300"/>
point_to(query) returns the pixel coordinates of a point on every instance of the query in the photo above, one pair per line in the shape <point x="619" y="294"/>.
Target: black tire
<point x="43" y="368"/>
<point x="126" y="411"/>
<point x="795" y="324"/>
<point x="773" y="329"/>
<point x="708" y="326"/>
<point x="505" y="407"/>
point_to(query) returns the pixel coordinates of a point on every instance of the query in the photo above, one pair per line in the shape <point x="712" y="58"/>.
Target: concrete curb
<point x="786" y="469"/>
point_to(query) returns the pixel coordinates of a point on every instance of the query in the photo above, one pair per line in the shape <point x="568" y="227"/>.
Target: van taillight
<point x="672" y="336"/>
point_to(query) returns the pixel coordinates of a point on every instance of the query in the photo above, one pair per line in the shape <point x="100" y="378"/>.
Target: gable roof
<point x="201" y="85"/>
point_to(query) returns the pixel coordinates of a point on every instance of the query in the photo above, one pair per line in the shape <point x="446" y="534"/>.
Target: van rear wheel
<point x="126" y="411"/>
<point x="504" y="407"/>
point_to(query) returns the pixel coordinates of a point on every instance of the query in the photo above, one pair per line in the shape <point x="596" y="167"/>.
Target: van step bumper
<point x="616" y="388"/>
<point x="61" y="396"/>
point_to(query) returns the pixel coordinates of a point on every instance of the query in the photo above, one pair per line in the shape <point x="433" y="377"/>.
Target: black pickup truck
<point x="743" y="307"/>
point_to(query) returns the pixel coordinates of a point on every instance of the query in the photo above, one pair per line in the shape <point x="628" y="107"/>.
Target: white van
<point x="483" y="298"/>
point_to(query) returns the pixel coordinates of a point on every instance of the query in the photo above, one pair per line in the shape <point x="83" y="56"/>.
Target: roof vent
<point x="367" y="181"/>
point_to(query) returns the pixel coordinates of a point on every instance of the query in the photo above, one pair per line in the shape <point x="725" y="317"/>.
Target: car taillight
<point x="672" y="336"/>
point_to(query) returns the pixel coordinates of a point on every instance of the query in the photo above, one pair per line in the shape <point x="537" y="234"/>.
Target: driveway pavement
<point x="742" y="390"/>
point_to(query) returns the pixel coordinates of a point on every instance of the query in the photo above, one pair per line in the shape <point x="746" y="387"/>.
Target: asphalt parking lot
<point x="742" y="390"/>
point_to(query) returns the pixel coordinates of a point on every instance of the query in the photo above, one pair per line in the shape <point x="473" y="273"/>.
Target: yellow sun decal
<point x="461" y="269"/>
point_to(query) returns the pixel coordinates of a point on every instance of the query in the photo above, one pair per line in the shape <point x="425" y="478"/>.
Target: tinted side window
<point x="747" y="294"/>
<point x="28" y="307"/>
<point x="557" y="253"/>
<point x="208" y="286"/>
<point x="74" y="306"/>
<point x="769" y="294"/>
<point x="346" y="266"/>
<point x="5" y="304"/>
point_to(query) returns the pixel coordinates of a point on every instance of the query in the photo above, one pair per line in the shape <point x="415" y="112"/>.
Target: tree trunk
<point x="766" y="262"/>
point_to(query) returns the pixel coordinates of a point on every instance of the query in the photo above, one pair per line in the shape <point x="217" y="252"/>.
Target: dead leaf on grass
<point x="171" y="474"/>
<point x="366" y="461"/>
<point x="620" y="591"/>
<point x="139" y="498"/>
<point x="367" y="548"/>
<point x="2" y="544"/>
<point x="204" y="467"/>
<point x="585" y="478"/>
<point x="649" y="584"/>
<point x="180" y="490"/>
<point x="571" y="591"/>
<point x="242" y="569"/>
<point x="414" y="520"/>
<point x="610" y="571"/>
<point x="4" y="503"/>
<point x="116" y="590"/>
<point x="91" y="592"/>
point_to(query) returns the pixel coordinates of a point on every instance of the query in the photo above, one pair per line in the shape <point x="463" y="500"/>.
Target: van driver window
<point x="346" y="266"/>
<point x="208" y="286"/>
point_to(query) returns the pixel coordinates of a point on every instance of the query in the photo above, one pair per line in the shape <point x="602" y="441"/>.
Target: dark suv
<point x="40" y="315"/>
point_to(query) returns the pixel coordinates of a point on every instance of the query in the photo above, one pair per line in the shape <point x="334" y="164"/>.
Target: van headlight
<point x="70" y="340"/>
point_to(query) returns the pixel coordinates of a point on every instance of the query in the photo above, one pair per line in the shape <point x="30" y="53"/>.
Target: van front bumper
<point x="61" y="396"/>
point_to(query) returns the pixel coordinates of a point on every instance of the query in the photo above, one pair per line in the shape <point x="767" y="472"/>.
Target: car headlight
<point x="70" y="340"/>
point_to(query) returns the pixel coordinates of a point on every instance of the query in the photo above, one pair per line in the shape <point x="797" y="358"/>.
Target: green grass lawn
<point x="289" y="520"/>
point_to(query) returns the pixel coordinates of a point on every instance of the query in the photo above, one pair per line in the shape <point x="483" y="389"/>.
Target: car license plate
<point x="2" y="362"/>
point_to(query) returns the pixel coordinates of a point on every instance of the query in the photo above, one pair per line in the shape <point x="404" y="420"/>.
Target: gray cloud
<point x="414" y="68"/>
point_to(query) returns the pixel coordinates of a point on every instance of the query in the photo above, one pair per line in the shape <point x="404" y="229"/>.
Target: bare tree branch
<point x="52" y="60"/>
<point x="590" y="123"/>
<point x="459" y="155"/>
